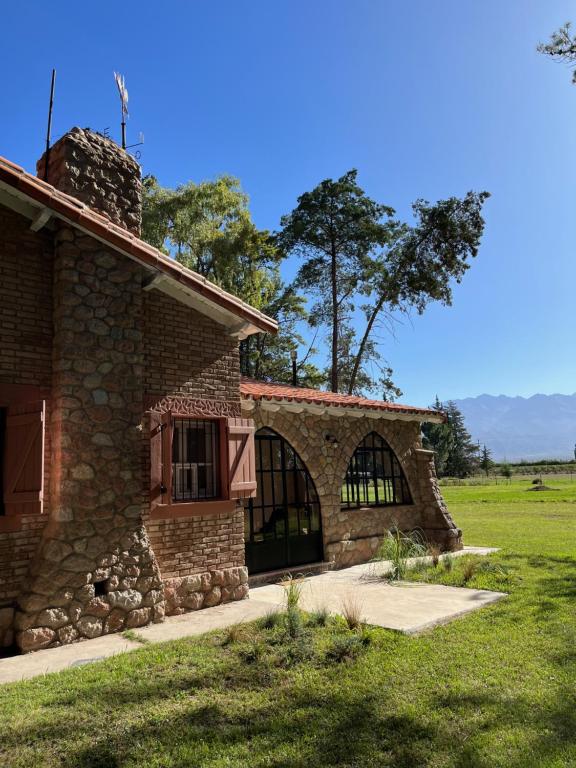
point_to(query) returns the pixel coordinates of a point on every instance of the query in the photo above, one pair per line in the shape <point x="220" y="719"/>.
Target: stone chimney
<point x="95" y="170"/>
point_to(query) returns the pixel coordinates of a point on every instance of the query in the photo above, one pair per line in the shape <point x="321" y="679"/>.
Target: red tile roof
<point x="259" y="390"/>
<point x="72" y="210"/>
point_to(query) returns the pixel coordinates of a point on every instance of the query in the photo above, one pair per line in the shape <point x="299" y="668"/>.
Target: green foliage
<point x="561" y="47"/>
<point x="354" y="250"/>
<point x="494" y="688"/>
<point x="136" y="637"/>
<point x="455" y="455"/>
<point x="272" y="620"/>
<point x="318" y="618"/>
<point x="397" y="547"/>
<point x="345" y="648"/>
<point x="208" y="228"/>
<point x="485" y="462"/>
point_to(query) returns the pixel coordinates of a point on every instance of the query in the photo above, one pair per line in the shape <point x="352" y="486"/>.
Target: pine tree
<point x="486" y="462"/>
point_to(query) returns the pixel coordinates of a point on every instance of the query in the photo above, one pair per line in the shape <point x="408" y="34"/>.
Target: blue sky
<point x="425" y="99"/>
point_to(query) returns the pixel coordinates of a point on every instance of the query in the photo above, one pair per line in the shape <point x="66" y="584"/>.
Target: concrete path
<point x="406" y="607"/>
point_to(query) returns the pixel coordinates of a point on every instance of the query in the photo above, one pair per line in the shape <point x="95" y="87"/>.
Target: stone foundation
<point x="204" y="590"/>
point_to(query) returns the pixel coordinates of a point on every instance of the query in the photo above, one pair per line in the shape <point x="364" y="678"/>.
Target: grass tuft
<point x="352" y="612"/>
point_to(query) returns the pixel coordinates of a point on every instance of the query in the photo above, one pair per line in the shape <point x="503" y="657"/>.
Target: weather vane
<point x="121" y="85"/>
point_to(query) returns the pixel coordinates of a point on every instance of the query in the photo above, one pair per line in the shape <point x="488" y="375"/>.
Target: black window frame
<point x="363" y="476"/>
<point x="187" y="457"/>
<point x="291" y="471"/>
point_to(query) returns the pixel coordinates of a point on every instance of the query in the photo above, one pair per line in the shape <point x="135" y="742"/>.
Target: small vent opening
<point x="100" y="588"/>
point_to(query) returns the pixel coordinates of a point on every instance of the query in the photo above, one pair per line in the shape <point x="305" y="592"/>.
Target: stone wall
<point x="352" y="535"/>
<point x="94" y="169"/>
<point x="95" y="571"/>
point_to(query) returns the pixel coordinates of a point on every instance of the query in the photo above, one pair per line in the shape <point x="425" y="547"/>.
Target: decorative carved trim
<point x="191" y="406"/>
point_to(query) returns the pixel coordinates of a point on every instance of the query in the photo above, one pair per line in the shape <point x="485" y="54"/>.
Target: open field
<point x="493" y="689"/>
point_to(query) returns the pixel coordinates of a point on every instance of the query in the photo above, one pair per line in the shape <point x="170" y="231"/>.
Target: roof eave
<point x="250" y="402"/>
<point x="34" y="200"/>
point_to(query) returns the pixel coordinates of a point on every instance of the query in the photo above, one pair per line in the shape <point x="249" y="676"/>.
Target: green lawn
<point x="496" y="688"/>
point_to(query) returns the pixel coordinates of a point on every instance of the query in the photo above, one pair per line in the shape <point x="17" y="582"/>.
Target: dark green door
<point x="282" y="524"/>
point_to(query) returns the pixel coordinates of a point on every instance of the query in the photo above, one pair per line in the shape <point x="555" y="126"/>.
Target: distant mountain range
<point x="514" y="428"/>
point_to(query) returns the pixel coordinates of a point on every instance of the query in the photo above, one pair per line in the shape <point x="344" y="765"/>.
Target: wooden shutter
<point x="241" y="458"/>
<point x="160" y="457"/>
<point x="24" y="458"/>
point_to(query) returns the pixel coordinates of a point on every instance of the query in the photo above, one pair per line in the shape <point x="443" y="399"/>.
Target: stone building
<point x="139" y="475"/>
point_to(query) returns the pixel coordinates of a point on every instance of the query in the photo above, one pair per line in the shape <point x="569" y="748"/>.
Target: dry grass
<point x="352" y="612"/>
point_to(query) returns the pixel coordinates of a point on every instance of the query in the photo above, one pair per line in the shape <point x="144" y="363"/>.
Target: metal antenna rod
<point x="49" y="131"/>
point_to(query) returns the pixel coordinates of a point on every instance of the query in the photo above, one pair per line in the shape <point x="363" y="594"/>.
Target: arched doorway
<point x="282" y="526"/>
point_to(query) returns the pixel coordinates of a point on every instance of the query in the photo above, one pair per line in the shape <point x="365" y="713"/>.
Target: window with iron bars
<point x="195" y="459"/>
<point x="374" y="477"/>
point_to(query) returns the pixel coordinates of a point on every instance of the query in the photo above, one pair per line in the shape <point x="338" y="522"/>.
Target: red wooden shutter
<point x="24" y="458"/>
<point x="160" y="458"/>
<point x="241" y="458"/>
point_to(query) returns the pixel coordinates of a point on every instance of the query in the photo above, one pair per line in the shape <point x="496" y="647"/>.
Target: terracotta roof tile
<point x="259" y="390"/>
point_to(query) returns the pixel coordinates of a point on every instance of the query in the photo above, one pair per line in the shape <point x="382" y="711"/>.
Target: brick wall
<point x="187" y="353"/>
<point x="25" y="302"/>
<point x="201" y="557"/>
<point x="26" y="264"/>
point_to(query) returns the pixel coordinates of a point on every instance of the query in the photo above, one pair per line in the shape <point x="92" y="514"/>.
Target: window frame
<point x="397" y="479"/>
<point x="219" y="459"/>
<point x="230" y="430"/>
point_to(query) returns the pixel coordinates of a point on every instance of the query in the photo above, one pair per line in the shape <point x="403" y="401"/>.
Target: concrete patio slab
<point x="406" y="607"/>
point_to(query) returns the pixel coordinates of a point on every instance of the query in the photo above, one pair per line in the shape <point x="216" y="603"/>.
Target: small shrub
<point x="352" y="612"/>
<point x="398" y="547"/>
<point x="469" y="569"/>
<point x="537" y="481"/>
<point x="301" y="650"/>
<point x="434" y="551"/>
<point x="345" y="648"/>
<point x="236" y="633"/>
<point x="319" y="617"/>
<point x="253" y="652"/>
<point x="448" y="563"/>
<point x="292" y="591"/>
<point x="271" y="620"/>
<point x="294" y="621"/>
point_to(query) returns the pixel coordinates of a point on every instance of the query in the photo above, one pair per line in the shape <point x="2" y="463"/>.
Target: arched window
<point x="374" y="477"/>
<point x="282" y="523"/>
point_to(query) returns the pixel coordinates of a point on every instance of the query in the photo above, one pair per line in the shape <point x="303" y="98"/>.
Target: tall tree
<point x="485" y="462"/>
<point x="455" y="453"/>
<point x="354" y="250"/>
<point x="421" y="262"/>
<point x="208" y="228"/>
<point x="335" y="228"/>
<point x="561" y="47"/>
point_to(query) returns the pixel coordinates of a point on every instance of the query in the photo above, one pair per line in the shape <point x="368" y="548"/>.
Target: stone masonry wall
<point x="94" y="169"/>
<point x="352" y="536"/>
<point x="26" y="260"/>
<point x="95" y="571"/>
